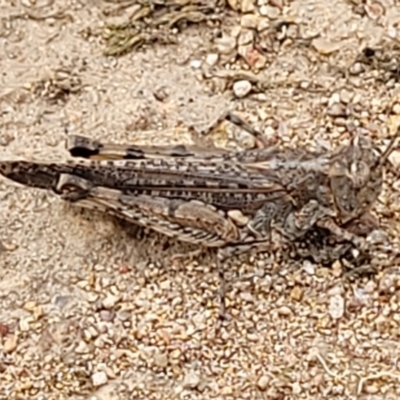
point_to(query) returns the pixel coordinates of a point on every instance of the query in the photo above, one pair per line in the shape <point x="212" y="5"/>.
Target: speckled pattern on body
<point x="93" y="309"/>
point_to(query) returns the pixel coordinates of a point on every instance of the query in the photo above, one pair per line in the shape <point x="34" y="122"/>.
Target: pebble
<point x="110" y="301"/>
<point x="389" y="282"/>
<point x="61" y="300"/>
<point x="6" y="139"/>
<point x="336" y="306"/>
<point x="309" y="267"/>
<point x="356" y="69"/>
<point x="241" y="88"/>
<point x="374" y="10"/>
<point x="24" y="324"/>
<point x="285" y="311"/>
<point x="99" y="378"/>
<point x="192" y="380"/>
<point x="212" y="59"/>
<point x="346" y="96"/>
<point x="3" y="330"/>
<point x="106" y="315"/>
<point x="161" y="360"/>
<point x="263" y="382"/>
<point x="325" y="47"/>
<point x="394" y="158"/>
<point x="10" y="344"/>
<point x="296" y="293"/>
<point x="195" y="64"/>
<point x="234" y="4"/>
<point x="226" y="44"/>
<point x="238" y="217"/>
<point x="337" y="110"/>
<point x="336" y="268"/>
<point x="249" y="21"/>
<point x="247" y="6"/>
<point x="245" y="37"/>
<point x="82" y="348"/>
<point x="396" y="108"/>
<point x="270" y="12"/>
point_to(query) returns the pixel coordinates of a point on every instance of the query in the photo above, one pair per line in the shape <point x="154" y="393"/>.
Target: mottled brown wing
<point x="224" y="185"/>
<point x="188" y="221"/>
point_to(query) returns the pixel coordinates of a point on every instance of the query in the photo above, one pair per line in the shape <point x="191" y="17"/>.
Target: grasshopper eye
<point x="353" y="168"/>
<point x="359" y="173"/>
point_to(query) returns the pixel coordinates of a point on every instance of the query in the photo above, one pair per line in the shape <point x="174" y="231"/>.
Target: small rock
<point x="285" y="311"/>
<point x="99" y="378"/>
<point x="390" y="281"/>
<point x="396" y="108"/>
<point x="249" y="21"/>
<point x="241" y="88"/>
<point x="245" y="37"/>
<point x="226" y="44"/>
<point x="325" y="47"/>
<point x="238" y="217"/>
<point x="378" y="236"/>
<point x="106" y="315"/>
<point x="394" y="158"/>
<point x="356" y="69"/>
<point x="296" y="388"/>
<point x="161" y="360"/>
<point x="110" y="301"/>
<point x="3" y="330"/>
<point x="10" y="344"/>
<point x="246" y="296"/>
<point x="82" y="348"/>
<point x="234" y="4"/>
<point x="212" y="59"/>
<point x="337" y="110"/>
<point x="6" y="139"/>
<point x="90" y="333"/>
<point x="195" y="64"/>
<point x="61" y="300"/>
<point x="191" y="380"/>
<point x="277" y="3"/>
<point x="296" y="293"/>
<point x="337" y="268"/>
<point x="374" y="10"/>
<point x="124" y="315"/>
<point x="247" y="6"/>
<point x="30" y="305"/>
<point x="346" y="96"/>
<point x="24" y="324"/>
<point x="336" y="306"/>
<point x="309" y="267"/>
<point x="269" y="12"/>
<point x="263" y="382"/>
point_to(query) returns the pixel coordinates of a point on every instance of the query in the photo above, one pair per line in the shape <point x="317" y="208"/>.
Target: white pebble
<point x="241" y="88"/>
<point x="99" y="378"/>
<point x="308" y="267"/>
<point x="110" y="301"/>
<point x="195" y="64"/>
<point x="336" y="306"/>
<point x="394" y="158"/>
<point x="212" y="59"/>
<point x="191" y="380"/>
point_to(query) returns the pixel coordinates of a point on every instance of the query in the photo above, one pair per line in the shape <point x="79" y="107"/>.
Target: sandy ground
<point x="85" y="315"/>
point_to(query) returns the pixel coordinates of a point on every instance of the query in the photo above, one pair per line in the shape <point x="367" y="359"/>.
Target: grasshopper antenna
<point x="389" y="149"/>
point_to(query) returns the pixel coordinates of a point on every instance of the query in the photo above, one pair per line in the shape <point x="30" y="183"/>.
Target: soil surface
<point x="90" y="309"/>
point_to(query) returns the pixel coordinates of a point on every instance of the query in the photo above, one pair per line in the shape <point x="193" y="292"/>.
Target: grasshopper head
<point x="356" y="176"/>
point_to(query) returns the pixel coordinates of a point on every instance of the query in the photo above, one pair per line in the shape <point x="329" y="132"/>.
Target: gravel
<point x="90" y="309"/>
